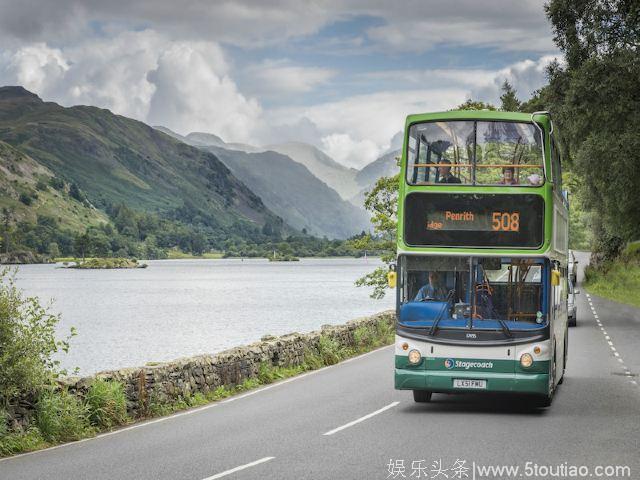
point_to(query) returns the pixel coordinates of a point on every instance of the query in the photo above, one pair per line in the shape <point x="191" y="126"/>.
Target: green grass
<point x="618" y="280"/>
<point x="107" y="404"/>
<point x="62" y="416"/>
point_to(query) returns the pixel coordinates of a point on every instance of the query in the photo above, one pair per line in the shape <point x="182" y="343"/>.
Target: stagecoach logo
<point x="450" y="364"/>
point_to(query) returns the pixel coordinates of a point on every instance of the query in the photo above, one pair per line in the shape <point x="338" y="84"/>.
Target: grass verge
<point x="619" y="279"/>
<point x="61" y="416"/>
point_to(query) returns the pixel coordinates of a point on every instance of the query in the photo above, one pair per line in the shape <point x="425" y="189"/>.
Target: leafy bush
<point x="107" y="404"/>
<point x="61" y="416"/>
<point x="27" y="342"/>
<point x="26" y="198"/>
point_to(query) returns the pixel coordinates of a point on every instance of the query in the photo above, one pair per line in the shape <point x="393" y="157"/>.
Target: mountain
<point x="385" y="166"/>
<point x="117" y="160"/>
<point x="337" y="176"/>
<point x="291" y="191"/>
<point x="287" y="187"/>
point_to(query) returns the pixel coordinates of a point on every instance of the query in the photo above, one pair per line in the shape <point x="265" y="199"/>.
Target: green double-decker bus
<point x="481" y="272"/>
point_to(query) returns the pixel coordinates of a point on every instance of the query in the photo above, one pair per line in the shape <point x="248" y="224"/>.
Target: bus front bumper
<point x="440" y="381"/>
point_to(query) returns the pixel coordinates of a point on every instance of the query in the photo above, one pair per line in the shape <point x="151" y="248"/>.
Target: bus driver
<point x="434" y="290"/>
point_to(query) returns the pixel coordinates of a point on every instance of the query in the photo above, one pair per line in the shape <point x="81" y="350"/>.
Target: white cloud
<point x="35" y="66"/>
<point x="185" y="86"/>
<point x="421" y="25"/>
<point x="411" y="25"/>
<point x="282" y="76"/>
<point x="193" y="93"/>
<point x="344" y="149"/>
<point x="525" y="76"/>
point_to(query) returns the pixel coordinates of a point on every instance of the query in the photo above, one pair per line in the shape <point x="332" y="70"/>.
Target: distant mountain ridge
<point x="334" y="174"/>
<point x="288" y="188"/>
<point x="114" y="160"/>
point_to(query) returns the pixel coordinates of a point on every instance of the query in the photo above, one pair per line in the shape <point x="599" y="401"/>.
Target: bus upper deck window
<point x="475" y="153"/>
<point x="440" y="152"/>
<point x="508" y="153"/>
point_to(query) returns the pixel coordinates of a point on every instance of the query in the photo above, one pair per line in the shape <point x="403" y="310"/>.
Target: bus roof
<point x="477" y="115"/>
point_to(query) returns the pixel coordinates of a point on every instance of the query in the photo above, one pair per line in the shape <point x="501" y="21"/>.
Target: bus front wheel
<point x="421" y="396"/>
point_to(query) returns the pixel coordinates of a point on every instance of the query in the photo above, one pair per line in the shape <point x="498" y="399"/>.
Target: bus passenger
<point x="508" y="176"/>
<point x="434" y="290"/>
<point x="535" y="179"/>
<point x="446" y="176"/>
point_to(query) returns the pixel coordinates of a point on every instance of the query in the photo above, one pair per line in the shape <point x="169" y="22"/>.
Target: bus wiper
<point x="505" y="329"/>
<point x="441" y="314"/>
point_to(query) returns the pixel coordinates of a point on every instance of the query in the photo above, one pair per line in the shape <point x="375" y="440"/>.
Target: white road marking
<point x="361" y="419"/>
<point x="241" y="467"/>
<point x="608" y="339"/>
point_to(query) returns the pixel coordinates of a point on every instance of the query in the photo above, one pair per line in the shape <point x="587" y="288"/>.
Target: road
<point x="347" y="421"/>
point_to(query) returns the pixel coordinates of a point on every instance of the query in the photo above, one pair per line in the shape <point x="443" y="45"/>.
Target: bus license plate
<point x="469" y="383"/>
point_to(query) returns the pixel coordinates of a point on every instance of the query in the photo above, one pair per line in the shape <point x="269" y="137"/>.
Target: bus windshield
<point x="475" y="153"/>
<point x="472" y="292"/>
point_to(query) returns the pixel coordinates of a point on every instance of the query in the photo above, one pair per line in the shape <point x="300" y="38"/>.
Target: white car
<point x="573" y="267"/>
<point x="571" y="304"/>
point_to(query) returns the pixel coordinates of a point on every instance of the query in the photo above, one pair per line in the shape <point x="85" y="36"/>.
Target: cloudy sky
<point x="341" y="75"/>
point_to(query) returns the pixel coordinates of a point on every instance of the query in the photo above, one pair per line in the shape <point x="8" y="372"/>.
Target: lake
<point x="178" y="308"/>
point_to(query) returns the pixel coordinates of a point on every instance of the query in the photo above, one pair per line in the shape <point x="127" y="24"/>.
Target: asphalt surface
<point x="347" y="421"/>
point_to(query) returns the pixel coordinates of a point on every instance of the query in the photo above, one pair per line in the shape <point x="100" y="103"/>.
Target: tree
<point x="382" y="202"/>
<point x="75" y="192"/>
<point x="475" y="105"/>
<point x="594" y="100"/>
<point x="81" y="245"/>
<point x="508" y="100"/>
<point x="54" y="250"/>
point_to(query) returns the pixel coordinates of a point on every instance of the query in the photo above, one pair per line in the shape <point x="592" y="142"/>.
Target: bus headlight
<point x="526" y="360"/>
<point x="414" y="357"/>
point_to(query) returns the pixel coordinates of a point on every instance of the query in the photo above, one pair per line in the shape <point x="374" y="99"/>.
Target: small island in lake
<point x="106" y="263"/>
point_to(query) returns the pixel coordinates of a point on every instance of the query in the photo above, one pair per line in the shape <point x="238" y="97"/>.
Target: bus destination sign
<point x="474" y="220"/>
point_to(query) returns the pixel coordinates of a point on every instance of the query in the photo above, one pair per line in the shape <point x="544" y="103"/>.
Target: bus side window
<point x="556" y="164"/>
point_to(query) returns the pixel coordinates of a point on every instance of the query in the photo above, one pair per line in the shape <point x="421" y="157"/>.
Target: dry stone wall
<point x="169" y="381"/>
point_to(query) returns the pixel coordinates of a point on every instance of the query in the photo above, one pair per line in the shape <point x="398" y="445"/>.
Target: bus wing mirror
<point x="555" y="278"/>
<point x="398" y="160"/>
<point x="392" y="276"/>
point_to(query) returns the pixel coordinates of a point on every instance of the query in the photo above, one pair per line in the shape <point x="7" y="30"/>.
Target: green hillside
<point x="82" y="181"/>
<point x="30" y="190"/>
<point x="104" y="184"/>
<point x="118" y="160"/>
